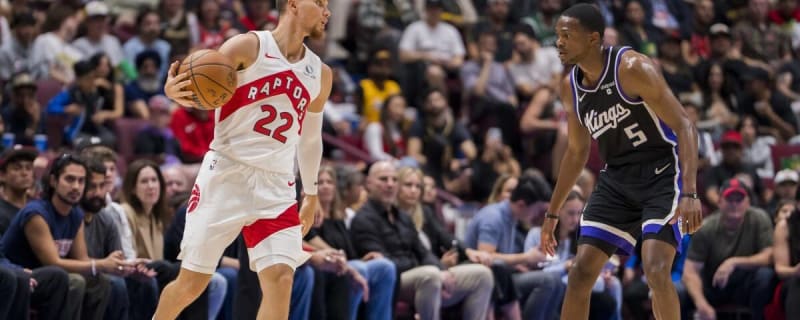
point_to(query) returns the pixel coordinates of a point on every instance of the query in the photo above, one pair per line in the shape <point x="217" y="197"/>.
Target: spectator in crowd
<point x="533" y="66"/>
<point x="179" y="26"/>
<point x="490" y="91"/>
<point x="771" y="109"/>
<point x="176" y="180"/>
<point x="156" y="140"/>
<point x="16" y="170"/>
<point x="134" y="292"/>
<point x="148" y="24"/>
<point x="729" y="257"/>
<point x="97" y="38"/>
<point x="498" y="229"/>
<point x="677" y="73"/>
<point x="52" y="55"/>
<point x="786" y="14"/>
<point x="786" y="252"/>
<point x="497" y="21"/>
<point x="699" y="47"/>
<point x="212" y="28"/>
<point x="763" y="43"/>
<point x="435" y="141"/>
<point x="374" y="90"/>
<point x="49" y="232"/>
<point x="23" y="115"/>
<point x="786" y="182"/>
<point x="543" y="21"/>
<point x="375" y="277"/>
<point x="496" y="160"/>
<point x="607" y="292"/>
<point x="80" y="103"/>
<point x="733" y="166"/>
<point x="43" y="290"/>
<point x="386" y="139"/>
<point x="783" y="210"/>
<point x="705" y="145"/>
<point x="720" y="105"/>
<point x="756" y="149"/>
<point x="637" y="32"/>
<point x="351" y="191"/>
<point x="147" y="85"/>
<point x="787" y="77"/>
<point x="502" y="188"/>
<point x="15" y="53"/>
<point x="542" y="122"/>
<point x="193" y="129"/>
<point x="379" y="226"/>
<point x="109" y="88"/>
<point x="726" y="51"/>
<point x="258" y="15"/>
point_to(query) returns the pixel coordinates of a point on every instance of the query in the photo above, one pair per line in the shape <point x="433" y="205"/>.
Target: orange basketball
<point x="213" y="78"/>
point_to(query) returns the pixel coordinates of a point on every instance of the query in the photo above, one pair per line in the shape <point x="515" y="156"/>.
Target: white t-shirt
<point x="538" y="72"/>
<point x="443" y="39"/>
<point x="108" y="44"/>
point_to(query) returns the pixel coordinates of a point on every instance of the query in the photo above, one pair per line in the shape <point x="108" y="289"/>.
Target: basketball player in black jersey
<point x="619" y="97"/>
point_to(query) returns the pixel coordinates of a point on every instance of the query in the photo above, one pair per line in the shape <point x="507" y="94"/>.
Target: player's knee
<point x="581" y="274"/>
<point x="658" y="272"/>
<point x="280" y="275"/>
<point x="190" y="285"/>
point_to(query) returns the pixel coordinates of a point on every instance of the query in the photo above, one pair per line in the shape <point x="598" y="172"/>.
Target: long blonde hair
<point x="336" y="208"/>
<point x="416" y="213"/>
<point x="497" y="189"/>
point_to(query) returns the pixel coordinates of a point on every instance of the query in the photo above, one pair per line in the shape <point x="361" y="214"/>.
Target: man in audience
<point x="42" y="289"/>
<point x="97" y="38"/>
<point x="134" y="293"/>
<point x="23" y="115"/>
<point x="380" y="227"/>
<point x="729" y="257"/>
<point x="498" y="230"/>
<point x="49" y="232"/>
<point x="16" y="52"/>
<point x="786" y="182"/>
<point x="733" y="166"/>
<point x="147" y="85"/>
<point x="16" y="170"/>
<point x="148" y="23"/>
<point x="194" y="130"/>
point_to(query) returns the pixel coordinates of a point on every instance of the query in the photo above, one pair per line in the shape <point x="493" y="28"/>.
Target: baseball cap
<point x="17" y="153"/>
<point x="787" y="175"/>
<point x="719" y="29"/>
<point x="732" y="137"/>
<point x="96" y="9"/>
<point x="22" y="80"/>
<point x="732" y="186"/>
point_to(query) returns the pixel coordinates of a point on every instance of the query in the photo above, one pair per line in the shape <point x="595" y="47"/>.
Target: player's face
<point x="410" y="190"/>
<point x="573" y="42"/>
<point x="314" y="16"/>
<point x="326" y="188"/>
<point x="70" y="185"/>
<point x="147" y="188"/>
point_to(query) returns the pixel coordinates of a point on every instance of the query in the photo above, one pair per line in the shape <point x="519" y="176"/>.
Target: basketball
<point x="213" y="78"/>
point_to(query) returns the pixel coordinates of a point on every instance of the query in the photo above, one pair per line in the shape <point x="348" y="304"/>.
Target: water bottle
<point x="40" y="141"/>
<point x="8" y="140"/>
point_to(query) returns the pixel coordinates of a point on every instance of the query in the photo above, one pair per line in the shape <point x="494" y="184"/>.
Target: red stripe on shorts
<point x="263" y="228"/>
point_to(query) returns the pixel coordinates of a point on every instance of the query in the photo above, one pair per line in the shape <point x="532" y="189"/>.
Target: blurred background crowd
<point x="443" y="137"/>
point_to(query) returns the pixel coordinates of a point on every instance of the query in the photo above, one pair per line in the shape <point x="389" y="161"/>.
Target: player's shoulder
<point x="635" y="63"/>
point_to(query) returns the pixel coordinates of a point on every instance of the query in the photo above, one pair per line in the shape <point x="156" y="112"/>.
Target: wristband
<point x="692" y="195"/>
<point x="94" y="268"/>
<point x="549" y="215"/>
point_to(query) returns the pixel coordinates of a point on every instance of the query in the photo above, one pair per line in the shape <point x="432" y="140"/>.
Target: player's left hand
<point x="308" y="211"/>
<point x="689" y="214"/>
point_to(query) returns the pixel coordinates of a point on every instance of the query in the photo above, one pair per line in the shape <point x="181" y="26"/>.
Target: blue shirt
<point x="495" y="225"/>
<point x="677" y="265"/>
<point x="63" y="229"/>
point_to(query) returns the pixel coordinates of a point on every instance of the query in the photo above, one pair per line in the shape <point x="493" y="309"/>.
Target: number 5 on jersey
<point x="636" y="136"/>
<point x="262" y="124"/>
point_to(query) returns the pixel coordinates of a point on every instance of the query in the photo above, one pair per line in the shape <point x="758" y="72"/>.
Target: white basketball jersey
<point x="260" y="126"/>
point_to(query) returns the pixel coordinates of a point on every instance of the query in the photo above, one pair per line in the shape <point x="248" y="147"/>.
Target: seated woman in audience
<point x="386" y="140"/>
<point x="502" y="188"/>
<point x="445" y="246"/>
<point x="378" y="274"/>
<point x="786" y="252"/>
<point x="145" y="204"/>
<point x="607" y="284"/>
<point x="783" y="210"/>
<point x="108" y="87"/>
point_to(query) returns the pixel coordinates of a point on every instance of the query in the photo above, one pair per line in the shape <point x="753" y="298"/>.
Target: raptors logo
<point x="194" y="199"/>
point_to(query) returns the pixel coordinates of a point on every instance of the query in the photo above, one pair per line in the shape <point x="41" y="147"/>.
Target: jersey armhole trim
<point x="616" y="79"/>
<point x="575" y="101"/>
<point x="258" y="54"/>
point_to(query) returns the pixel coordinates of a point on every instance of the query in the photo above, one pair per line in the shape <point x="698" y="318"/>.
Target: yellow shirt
<point x="374" y="98"/>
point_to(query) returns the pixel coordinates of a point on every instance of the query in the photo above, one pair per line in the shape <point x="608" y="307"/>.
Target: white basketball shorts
<point x="229" y="197"/>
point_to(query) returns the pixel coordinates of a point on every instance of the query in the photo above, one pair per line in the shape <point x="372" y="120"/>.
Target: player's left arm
<point x="309" y="149"/>
<point x="639" y="77"/>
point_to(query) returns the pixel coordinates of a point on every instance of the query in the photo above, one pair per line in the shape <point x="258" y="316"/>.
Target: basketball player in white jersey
<point x="246" y="182"/>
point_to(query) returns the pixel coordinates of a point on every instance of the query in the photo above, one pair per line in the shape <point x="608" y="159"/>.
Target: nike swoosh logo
<point x="269" y="56"/>
<point x="660" y="170"/>
<point x="580" y="99"/>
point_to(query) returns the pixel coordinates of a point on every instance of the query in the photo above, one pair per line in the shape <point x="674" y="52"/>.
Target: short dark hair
<point x="526" y="30"/>
<point x="145" y="11"/>
<point x="588" y="16"/>
<point x="95" y="165"/>
<point x="57" y="169"/>
<point x="531" y="189"/>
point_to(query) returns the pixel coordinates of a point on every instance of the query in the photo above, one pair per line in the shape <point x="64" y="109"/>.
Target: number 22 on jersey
<point x="284" y="123"/>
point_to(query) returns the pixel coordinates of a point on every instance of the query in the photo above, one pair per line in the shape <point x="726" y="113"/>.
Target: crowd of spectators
<point x="444" y="133"/>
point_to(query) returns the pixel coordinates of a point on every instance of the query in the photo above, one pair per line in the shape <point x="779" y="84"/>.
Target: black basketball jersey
<point x="626" y="129"/>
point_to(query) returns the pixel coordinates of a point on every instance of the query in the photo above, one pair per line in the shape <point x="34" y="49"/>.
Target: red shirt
<point x="194" y="134"/>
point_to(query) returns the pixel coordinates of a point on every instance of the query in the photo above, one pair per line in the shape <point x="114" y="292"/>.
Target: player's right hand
<point x="548" y="242"/>
<point x="175" y="87"/>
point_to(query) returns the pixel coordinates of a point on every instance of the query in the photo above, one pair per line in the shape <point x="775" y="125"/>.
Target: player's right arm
<point x="578" y="145"/>
<point x="242" y="50"/>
